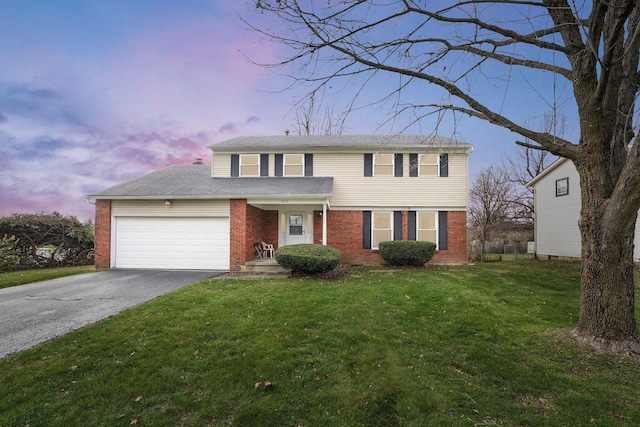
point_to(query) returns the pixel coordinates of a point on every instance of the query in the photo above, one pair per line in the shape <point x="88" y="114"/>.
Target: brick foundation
<point x="102" y="249"/>
<point x="344" y="232"/>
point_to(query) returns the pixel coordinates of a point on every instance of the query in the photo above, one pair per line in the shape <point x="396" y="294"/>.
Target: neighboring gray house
<point x="557" y="207"/>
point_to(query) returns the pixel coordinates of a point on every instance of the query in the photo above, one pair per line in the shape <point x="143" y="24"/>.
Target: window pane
<point x="249" y="160"/>
<point x="427" y="235"/>
<point x="426" y="220"/>
<point x="429" y="170"/>
<point x="291" y="170"/>
<point x="295" y="230"/>
<point x="293" y="159"/>
<point x="382" y="220"/>
<point x="381" y="236"/>
<point x="429" y="159"/>
<point x="383" y="170"/>
<point x="249" y="170"/>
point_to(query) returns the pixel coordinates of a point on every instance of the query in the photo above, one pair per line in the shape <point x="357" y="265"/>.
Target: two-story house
<point x="349" y="192"/>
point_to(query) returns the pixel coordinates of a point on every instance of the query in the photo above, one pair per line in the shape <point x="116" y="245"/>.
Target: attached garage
<point x="171" y="243"/>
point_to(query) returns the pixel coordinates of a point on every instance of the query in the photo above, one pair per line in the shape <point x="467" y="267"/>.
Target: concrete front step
<point x="263" y="266"/>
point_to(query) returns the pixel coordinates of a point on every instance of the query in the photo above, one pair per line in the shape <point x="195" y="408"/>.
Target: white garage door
<point x="171" y="243"/>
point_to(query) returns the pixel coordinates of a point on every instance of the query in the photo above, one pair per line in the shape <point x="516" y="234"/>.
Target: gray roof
<point x="195" y="182"/>
<point x="356" y="143"/>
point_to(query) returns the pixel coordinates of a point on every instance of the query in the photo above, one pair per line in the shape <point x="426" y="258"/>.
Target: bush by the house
<point x="308" y="258"/>
<point x="407" y="252"/>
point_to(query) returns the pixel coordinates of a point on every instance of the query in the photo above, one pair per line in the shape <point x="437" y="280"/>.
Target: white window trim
<point x="373" y="221"/>
<point x="240" y="164"/>
<point x="375" y="163"/>
<point x="284" y="164"/>
<point x="421" y="156"/>
<point x="437" y="224"/>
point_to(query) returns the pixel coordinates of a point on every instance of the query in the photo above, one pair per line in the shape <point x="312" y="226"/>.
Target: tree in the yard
<point x="490" y="203"/>
<point x="493" y="60"/>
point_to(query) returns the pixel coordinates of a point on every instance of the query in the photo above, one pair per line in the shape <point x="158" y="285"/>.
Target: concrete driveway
<point x="35" y="313"/>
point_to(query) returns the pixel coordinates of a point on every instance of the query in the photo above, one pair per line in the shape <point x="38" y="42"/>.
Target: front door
<point x="298" y="228"/>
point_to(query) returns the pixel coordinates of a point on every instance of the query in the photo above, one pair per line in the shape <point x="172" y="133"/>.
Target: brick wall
<point x="249" y="225"/>
<point x="102" y="250"/>
<point x="344" y="232"/>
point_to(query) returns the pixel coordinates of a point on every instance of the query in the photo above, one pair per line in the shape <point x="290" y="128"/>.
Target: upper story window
<point x="429" y="164"/>
<point x="249" y="165"/>
<point x="383" y="164"/>
<point x="294" y="165"/>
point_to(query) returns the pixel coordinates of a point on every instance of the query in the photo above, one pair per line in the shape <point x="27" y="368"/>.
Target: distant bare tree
<point x="490" y="203"/>
<point x="312" y="119"/>
<point x="526" y="164"/>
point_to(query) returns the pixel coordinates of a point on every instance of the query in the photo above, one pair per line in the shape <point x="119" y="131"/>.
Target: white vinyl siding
<point x="221" y="165"/>
<point x="351" y="189"/>
<point x="556" y="226"/>
<point x="178" y="208"/>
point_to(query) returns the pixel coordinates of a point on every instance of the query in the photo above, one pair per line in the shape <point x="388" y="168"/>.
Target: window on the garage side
<point x="382" y="229"/>
<point x="383" y="165"/>
<point x="294" y="165"/>
<point x="429" y="164"/>
<point x="426" y="227"/>
<point x="249" y="165"/>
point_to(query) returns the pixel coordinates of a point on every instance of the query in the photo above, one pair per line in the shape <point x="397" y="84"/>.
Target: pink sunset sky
<point x="93" y="93"/>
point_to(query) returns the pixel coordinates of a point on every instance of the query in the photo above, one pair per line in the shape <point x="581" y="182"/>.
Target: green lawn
<point x="17" y="278"/>
<point x="475" y="345"/>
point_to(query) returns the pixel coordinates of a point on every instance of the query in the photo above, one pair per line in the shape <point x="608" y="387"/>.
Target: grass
<point x="483" y="344"/>
<point x="17" y="278"/>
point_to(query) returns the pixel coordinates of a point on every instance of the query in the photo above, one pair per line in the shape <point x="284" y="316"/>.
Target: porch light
<point x="167" y="203"/>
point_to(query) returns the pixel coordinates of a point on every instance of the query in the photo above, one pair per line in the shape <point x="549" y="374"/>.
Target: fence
<point x="499" y="251"/>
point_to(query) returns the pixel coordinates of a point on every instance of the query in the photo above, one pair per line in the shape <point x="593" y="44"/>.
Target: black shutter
<point x="264" y="165"/>
<point x="444" y="164"/>
<point x="397" y="225"/>
<point x="368" y="164"/>
<point x="413" y="234"/>
<point x="397" y="167"/>
<point x="414" y="166"/>
<point x="308" y="164"/>
<point x="279" y="165"/>
<point x="366" y="229"/>
<point x="442" y="230"/>
<point x="235" y="165"/>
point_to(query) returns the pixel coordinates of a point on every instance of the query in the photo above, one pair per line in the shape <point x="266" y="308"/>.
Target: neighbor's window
<point x="249" y="165"/>
<point x="562" y="187"/>
<point x="426" y="227"/>
<point x="383" y="165"/>
<point x="382" y="229"/>
<point x="429" y="164"/>
<point x="294" y="165"/>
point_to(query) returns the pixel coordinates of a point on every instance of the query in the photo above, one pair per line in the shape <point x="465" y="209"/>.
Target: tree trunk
<point x="607" y="304"/>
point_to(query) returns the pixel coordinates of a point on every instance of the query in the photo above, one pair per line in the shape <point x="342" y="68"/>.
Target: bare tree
<point x="312" y="119"/>
<point x="590" y="47"/>
<point x="526" y="164"/>
<point x="490" y="203"/>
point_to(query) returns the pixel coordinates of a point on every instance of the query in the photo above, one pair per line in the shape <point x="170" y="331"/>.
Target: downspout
<point x="324" y="224"/>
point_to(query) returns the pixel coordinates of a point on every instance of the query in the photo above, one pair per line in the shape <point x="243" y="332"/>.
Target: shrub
<point x="407" y="252"/>
<point x="308" y="258"/>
